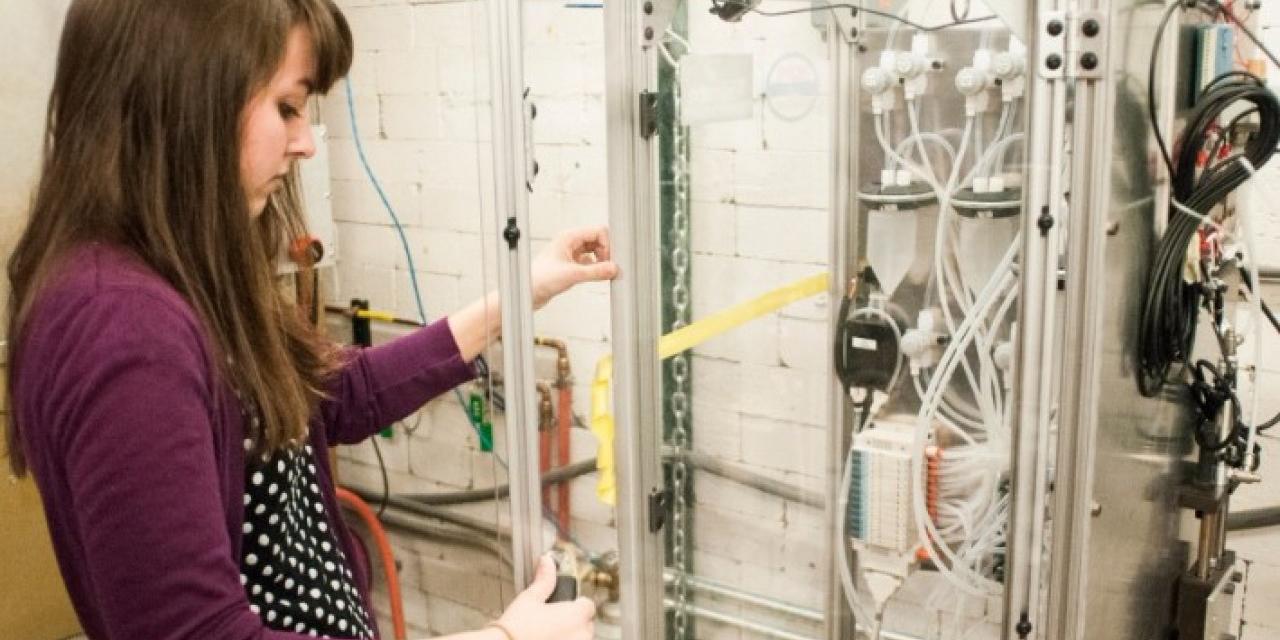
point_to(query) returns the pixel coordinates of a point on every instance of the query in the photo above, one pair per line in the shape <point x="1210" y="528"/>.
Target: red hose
<point x="354" y="503"/>
<point x="562" y="435"/>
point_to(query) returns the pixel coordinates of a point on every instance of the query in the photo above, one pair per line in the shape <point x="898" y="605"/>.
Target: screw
<point x="1237" y="576"/>
<point x="1095" y="509"/>
<point x="937" y="65"/>
<point x="1055" y="27"/>
<point x="1091" y="27"/>
<point x="1229" y="588"/>
<point x="1113" y="228"/>
<point x="1089" y="61"/>
<point x="1054" y="62"/>
<point x="648" y="8"/>
<point x="648" y="33"/>
<point x="862" y="48"/>
<point x="853" y="33"/>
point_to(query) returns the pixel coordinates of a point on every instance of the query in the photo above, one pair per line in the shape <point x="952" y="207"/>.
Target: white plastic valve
<point x="1006" y="66"/>
<point x="876" y="81"/>
<point x="910" y="65"/>
<point x="970" y="81"/>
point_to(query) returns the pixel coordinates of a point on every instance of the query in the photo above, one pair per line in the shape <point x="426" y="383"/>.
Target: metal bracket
<point x="659" y="506"/>
<point x="1072" y="45"/>
<point x="657" y="17"/>
<point x="648" y="114"/>
<point x="848" y="21"/>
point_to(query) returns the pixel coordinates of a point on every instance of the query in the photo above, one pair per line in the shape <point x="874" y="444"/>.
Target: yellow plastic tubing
<point x="675" y="342"/>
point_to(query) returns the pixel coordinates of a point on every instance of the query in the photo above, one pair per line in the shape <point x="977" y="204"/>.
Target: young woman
<point x="173" y="407"/>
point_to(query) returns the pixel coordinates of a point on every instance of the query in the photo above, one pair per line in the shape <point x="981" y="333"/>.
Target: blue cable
<point x="377" y="186"/>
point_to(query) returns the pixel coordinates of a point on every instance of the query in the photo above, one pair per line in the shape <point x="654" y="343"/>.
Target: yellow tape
<point x="679" y="341"/>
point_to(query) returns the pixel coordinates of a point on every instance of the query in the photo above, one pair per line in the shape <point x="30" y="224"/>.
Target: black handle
<point x="566" y="589"/>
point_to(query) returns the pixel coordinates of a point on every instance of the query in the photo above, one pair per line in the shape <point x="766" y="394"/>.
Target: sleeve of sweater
<point x="383" y="384"/>
<point x="142" y="474"/>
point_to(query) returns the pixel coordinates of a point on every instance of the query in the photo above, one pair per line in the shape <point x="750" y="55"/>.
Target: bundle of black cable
<point x="1169" y="312"/>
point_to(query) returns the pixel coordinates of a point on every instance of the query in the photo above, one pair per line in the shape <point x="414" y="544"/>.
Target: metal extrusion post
<point x="1047" y="100"/>
<point x="630" y="72"/>
<point x="511" y="205"/>
<point x="839" y="619"/>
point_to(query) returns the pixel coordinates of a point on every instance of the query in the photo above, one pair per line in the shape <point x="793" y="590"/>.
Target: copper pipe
<point x="562" y="440"/>
<point x="564" y="382"/>
<point x="545" y="424"/>
<point x="347" y="313"/>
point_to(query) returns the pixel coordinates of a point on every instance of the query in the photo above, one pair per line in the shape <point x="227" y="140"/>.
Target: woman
<point x="171" y="404"/>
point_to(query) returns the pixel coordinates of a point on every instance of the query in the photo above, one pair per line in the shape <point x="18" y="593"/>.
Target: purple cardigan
<point x="137" y="447"/>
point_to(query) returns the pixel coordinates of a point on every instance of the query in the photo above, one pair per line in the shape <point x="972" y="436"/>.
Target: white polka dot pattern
<point x="292" y="569"/>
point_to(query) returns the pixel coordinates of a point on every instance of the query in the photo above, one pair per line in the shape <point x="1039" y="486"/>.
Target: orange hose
<point x="562" y="434"/>
<point x="354" y="503"/>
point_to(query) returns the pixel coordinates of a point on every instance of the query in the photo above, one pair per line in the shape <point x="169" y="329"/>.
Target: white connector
<point x="975" y="83"/>
<point x="880" y="82"/>
<point x="911" y="66"/>
<point x="922" y="345"/>
<point x="1010" y="68"/>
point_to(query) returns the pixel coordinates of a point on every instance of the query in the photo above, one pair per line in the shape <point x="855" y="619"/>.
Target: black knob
<point x="1055" y="27"/>
<point x="1054" y="62"/>
<point x="1091" y="27"/>
<point x="1089" y="61"/>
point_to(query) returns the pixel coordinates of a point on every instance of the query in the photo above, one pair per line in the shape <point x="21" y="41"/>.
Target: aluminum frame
<point x="511" y="206"/>
<point x="633" y="218"/>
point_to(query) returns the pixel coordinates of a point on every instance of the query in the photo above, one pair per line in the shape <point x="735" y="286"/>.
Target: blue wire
<point x="377" y="186"/>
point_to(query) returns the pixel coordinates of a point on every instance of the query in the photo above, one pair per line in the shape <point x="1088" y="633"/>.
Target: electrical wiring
<point x="832" y="6"/>
<point x="1170" y="309"/>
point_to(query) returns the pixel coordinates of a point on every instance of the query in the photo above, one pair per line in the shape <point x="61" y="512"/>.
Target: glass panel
<point x="420" y="86"/>
<point x="744" y="170"/>
<point x="564" y="72"/>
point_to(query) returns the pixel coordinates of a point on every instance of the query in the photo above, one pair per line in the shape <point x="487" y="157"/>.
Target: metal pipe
<point x="716" y="588"/>
<point x="741" y="623"/>
<point x="1204" y="550"/>
<point x="735" y="473"/>
<point x="556" y="476"/>
<point x="1254" y="519"/>
<point x="462" y="520"/>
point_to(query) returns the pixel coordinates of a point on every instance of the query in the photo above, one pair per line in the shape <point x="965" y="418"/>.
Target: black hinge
<point x="648" y="114"/>
<point x="659" y="503"/>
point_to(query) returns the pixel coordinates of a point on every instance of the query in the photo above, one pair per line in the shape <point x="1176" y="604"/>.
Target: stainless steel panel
<point x="1137" y="544"/>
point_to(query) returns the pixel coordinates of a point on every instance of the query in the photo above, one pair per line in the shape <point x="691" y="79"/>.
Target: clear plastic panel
<point x="925" y="349"/>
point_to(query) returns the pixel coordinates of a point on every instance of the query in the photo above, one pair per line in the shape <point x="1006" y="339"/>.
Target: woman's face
<point x="277" y="128"/>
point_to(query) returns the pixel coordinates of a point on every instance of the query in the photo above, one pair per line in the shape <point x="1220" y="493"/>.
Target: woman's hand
<point x="529" y="617"/>
<point x="573" y="257"/>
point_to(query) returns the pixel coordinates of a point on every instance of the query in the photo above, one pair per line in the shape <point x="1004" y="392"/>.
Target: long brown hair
<point x="142" y="151"/>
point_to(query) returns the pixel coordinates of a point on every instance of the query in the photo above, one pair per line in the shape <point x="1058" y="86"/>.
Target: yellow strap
<point x="382" y="316"/>
<point x="679" y="341"/>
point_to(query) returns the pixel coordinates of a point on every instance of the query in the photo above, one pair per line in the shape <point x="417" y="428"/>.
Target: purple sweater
<point x="137" y="447"/>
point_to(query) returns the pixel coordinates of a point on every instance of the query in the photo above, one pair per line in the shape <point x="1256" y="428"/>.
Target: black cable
<point x="386" y="483"/>
<point x="832" y="6"/>
<point x="1169" y="315"/>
